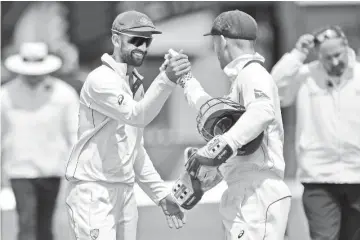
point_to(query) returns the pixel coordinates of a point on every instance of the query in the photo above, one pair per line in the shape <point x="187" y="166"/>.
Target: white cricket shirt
<point x="111" y="121"/>
<point x="254" y="88"/>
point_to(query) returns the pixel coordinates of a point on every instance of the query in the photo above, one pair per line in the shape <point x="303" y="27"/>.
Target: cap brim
<point x="16" y="64"/>
<point x="145" y="29"/>
<point x="208" y="34"/>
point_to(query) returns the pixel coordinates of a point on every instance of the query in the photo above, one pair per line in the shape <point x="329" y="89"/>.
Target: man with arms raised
<point x="327" y="129"/>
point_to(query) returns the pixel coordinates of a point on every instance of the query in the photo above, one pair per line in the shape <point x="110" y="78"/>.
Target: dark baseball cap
<point x="133" y="21"/>
<point x="234" y="24"/>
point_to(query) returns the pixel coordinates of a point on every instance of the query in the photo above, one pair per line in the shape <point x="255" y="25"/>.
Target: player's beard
<point x="134" y="57"/>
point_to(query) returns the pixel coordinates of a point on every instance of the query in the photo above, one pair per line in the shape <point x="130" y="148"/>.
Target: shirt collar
<point x="119" y="68"/>
<point x="233" y="69"/>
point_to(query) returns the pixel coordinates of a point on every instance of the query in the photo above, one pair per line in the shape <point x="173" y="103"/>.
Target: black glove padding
<point x="187" y="191"/>
<point x="197" y="179"/>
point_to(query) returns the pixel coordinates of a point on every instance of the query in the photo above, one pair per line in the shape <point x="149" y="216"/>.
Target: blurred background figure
<point x="46" y="22"/>
<point x="328" y="129"/>
<point x="38" y="128"/>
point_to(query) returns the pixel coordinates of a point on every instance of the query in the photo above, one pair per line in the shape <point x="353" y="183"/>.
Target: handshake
<point x="177" y="67"/>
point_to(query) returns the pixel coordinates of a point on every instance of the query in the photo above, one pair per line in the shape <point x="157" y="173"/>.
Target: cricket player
<point x="110" y="155"/>
<point x="257" y="202"/>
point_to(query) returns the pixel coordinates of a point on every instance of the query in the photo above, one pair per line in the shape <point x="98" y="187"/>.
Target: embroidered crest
<point x="145" y="21"/>
<point x="120" y="99"/>
<point x="94" y="234"/>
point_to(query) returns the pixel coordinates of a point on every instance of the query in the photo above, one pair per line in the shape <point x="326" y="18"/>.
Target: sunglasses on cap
<point x="136" y="40"/>
<point x="328" y="33"/>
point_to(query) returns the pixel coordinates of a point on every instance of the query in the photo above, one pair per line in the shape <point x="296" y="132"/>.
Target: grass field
<point x="203" y="222"/>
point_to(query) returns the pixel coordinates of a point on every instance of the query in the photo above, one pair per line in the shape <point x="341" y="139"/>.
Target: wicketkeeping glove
<point x="195" y="181"/>
<point x="214" y="153"/>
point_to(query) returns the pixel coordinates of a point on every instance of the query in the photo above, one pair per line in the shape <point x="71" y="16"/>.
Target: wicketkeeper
<point x="244" y="131"/>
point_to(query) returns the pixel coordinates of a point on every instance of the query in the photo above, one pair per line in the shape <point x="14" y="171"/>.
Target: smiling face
<point x="132" y="48"/>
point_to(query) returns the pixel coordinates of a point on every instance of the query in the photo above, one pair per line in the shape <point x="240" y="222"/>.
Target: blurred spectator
<point x="328" y="129"/>
<point x="70" y="71"/>
<point x="39" y="123"/>
<point x="47" y="22"/>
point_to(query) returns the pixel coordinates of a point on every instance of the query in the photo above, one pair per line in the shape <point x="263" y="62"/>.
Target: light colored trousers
<point x="256" y="210"/>
<point x="99" y="211"/>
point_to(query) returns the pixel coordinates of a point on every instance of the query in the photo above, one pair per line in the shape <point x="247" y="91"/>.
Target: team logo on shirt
<point x="260" y="94"/>
<point x="94" y="234"/>
<point x="120" y="99"/>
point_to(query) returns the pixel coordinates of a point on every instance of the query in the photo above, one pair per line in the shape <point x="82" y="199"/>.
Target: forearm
<point x="155" y="97"/>
<point x="195" y="94"/>
<point x="287" y="76"/>
<point x="149" y="179"/>
<point x="250" y="125"/>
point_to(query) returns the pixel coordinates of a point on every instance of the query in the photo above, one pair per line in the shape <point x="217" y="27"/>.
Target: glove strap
<point x="217" y="151"/>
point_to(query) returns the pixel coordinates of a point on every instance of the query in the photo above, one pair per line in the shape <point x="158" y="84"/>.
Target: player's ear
<point x="223" y="42"/>
<point x="115" y="40"/>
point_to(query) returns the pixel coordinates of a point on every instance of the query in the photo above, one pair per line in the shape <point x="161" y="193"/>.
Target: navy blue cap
<point x="133" y="21"/>
<point x="234" y="24"/>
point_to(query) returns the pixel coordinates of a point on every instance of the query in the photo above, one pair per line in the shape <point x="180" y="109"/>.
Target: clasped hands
<point x="176" y="65"/>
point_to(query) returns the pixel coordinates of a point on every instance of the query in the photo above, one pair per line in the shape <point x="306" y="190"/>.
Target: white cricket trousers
<point x="256" y="210"/>
<point x="101" y="211"/>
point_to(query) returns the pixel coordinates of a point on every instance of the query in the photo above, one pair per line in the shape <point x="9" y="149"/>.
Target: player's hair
<point x="336" y="31"/>
<point x="243" y="44"/>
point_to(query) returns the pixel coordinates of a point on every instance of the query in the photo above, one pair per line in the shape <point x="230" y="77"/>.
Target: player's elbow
<point x="138" y="118"/>
<point x="139" y="122"/>
<point x="268" y="116"/>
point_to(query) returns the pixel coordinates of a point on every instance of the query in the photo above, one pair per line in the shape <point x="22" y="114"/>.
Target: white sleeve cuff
<point x="298" y="55"/>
